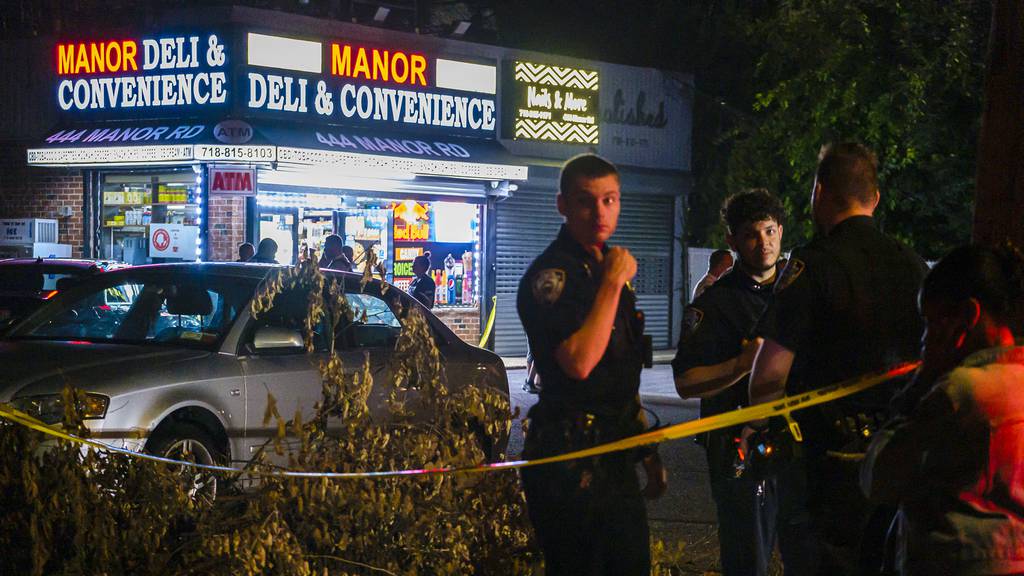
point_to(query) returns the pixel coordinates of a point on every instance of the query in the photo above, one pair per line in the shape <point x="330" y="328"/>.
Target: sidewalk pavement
<point x="657" y="385"/>
<point x="517" y="362"/>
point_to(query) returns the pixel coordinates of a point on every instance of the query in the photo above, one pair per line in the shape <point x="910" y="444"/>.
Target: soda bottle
<point x="458" y="283"/>
<point x="467" y="277"/>
<point x="449" y="278"/>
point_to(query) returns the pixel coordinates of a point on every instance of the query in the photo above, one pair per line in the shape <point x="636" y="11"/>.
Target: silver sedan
<point x="173" y="362"/>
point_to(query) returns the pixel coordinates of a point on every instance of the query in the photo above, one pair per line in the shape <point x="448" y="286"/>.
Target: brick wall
<point x="465" y="322"/>
<point x="227" y="227"/>
<point x="27" y="192"/>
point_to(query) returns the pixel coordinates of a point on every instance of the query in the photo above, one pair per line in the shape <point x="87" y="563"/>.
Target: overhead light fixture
<point x="461" y="28"/>
<point x="382" y="14"/>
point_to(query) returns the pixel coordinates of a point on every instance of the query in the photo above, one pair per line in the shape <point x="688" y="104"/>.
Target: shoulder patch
<point x="548" y="285"/>
<point x="793" y="270"/>
<point x="691" y="319"/>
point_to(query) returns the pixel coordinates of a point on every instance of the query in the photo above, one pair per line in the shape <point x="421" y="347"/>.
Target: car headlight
<point x="50" y="407"/>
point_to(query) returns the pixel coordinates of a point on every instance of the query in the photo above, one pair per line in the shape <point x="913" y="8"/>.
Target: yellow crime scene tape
<point x="782" y="407"/>
<point x="490" y="322"/>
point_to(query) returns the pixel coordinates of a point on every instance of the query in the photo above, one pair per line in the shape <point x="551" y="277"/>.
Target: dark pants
<point x="746" y="530"/>
<point x="826" y="527"/>
<point x="588" y="515"/>
<point x="798" y="542"/>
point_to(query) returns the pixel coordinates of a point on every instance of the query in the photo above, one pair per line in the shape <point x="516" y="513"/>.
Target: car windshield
<point x="189" y="310"/>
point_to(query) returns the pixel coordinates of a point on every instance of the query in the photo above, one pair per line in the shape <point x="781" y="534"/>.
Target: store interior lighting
<point x="309" y="201"/>
<point x="382" y="14"/>
<point x="325" y="177"/>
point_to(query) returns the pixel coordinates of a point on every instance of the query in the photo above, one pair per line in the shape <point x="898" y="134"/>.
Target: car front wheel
<point x="187" y="442"/>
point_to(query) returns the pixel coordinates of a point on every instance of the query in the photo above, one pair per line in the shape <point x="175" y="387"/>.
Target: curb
<point x="668" y="400"/>
<point x="519" y="362"/>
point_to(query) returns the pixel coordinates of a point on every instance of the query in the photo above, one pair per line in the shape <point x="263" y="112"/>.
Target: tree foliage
<point x="71" y="511"/>
<point x="904" y="78"/>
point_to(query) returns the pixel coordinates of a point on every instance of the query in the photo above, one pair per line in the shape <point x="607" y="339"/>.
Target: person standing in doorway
<point x="423" y="287"/>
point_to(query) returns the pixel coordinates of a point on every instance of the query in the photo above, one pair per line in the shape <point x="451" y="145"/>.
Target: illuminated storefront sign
<point x="369" y="85"/>
<point x="175" y="71"/>
<point x="412" y="222"/>
<point x="552" y="103"/>
<point x="240" y="181"/>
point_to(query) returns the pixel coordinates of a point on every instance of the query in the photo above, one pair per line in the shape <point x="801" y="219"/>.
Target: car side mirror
<point x="277" y="339"/>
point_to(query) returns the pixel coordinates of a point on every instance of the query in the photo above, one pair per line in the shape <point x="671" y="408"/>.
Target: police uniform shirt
<point x="714" y="327"/>
<point x="846" y="305"/>
<point x="555" y="296"/>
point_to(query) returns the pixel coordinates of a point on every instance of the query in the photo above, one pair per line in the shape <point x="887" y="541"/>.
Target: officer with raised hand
<point x="587" y="340"/>
<point x="713" y="360"/>
<point x="844" y="306"/>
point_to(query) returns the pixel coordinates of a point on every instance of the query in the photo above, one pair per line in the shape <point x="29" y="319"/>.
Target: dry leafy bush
<point x="64" y="510"/>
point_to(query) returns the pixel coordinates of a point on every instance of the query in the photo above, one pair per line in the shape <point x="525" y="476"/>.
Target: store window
<point x="396" y="231"/>
<point x="150" y="217"/>
<point x="450" y="233"/>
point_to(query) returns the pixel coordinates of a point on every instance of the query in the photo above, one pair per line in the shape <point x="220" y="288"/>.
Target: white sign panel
<point x="173" y="241"/>
<point x="646" y="117"/>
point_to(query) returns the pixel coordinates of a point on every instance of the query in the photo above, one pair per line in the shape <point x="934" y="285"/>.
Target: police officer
<point x="587" y="341"/>
<point x="844" y="306"/>
<point x="712" y="362"/>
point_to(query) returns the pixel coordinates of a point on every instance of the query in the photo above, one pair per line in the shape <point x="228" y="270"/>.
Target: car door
<point x="285" y="372"/>
<point x="370" y="337"/>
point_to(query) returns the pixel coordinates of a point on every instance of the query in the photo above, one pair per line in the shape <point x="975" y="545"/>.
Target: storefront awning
<point x="150" y="143"/>
<point x="350" y="150"/>
<point x="399" y="152"/>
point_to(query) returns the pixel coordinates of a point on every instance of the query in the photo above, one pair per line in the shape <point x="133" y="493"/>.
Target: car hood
<point x="34" y="367"/>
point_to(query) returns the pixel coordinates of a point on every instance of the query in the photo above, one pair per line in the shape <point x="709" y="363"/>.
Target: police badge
<point x="793" y="270"/>
<point x="548" y="285"/>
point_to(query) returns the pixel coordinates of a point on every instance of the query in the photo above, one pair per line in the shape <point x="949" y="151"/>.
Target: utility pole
<point x="999" y="194"/>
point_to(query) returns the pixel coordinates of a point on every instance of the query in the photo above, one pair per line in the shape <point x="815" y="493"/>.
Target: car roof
<point x="65" y="263"/>
<point x="251" y="270"/>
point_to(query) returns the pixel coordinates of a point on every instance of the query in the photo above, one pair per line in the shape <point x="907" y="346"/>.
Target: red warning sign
<point x="161" y="239"/>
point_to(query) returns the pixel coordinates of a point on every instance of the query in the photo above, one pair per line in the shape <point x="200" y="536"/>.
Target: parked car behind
<point x="26" y="283"/>
<point x="174" y="363"/>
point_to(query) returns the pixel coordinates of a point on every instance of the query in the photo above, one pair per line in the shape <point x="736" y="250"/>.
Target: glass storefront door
<point x="281" y="225"/>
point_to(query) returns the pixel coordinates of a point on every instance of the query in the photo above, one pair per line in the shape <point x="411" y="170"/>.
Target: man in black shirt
<point x="844" y="306"/>
<point x="714" y="357"/>
<point x="587" y="341"/>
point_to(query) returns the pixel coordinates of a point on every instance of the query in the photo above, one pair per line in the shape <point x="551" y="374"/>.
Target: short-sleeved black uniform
<point x="715" y="326"/>
<point x="588" y="514"/>
<point x="846" y="305"/>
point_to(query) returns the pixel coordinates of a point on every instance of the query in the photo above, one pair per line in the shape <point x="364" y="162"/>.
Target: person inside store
<point x="266" y="252"/>
<point x="713" y="359"/>
<point x="586" y="335"/>
<point x="719" y="263"/>
<point x="423" y="287"/>
<point x="246" y="251"/>
<point x="350" y="253"/>
<point x="954" y="460"/>
<point x="334" y="254"/>
<point x="845" y="306"/>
